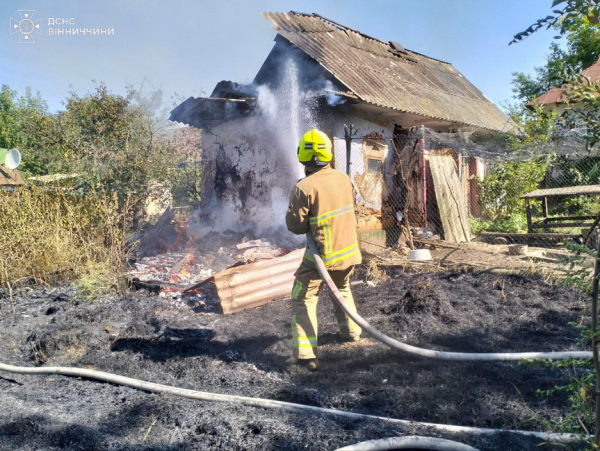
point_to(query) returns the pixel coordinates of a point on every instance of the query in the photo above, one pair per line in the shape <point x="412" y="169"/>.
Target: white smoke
<point x="332" y="98"/>
<point x="267" y="103"/>
<point x="287" y="115"/>
<point x="263" y="149"/>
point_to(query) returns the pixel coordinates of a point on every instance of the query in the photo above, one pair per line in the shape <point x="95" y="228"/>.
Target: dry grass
<point x="374" y="273"/>
<point x="57" y="237"/>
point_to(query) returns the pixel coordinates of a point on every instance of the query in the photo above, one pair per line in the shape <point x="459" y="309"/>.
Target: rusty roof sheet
<point x="248" y="286"/>
<point x="555" y="95"/>
<point x="378" y="74"/>
<point x="560" y="95"/>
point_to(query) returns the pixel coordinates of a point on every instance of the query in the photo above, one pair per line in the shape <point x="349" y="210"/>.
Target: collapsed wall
<point x="248" y="175"/>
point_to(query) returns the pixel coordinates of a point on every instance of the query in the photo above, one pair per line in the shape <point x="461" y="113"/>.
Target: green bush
<point x="502" y="208"/>
<point x="515" y="224"/>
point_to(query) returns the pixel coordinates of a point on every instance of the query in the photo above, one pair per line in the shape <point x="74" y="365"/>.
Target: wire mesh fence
<point x="419" y="187"/>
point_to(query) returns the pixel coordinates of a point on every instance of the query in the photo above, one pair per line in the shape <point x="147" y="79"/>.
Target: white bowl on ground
<point x="419" y="255"/>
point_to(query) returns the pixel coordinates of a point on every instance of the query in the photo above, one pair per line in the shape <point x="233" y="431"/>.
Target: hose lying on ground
<point x="271" y="404"/>
<point x="408" y="442"/>
<point x="428" y="353"/>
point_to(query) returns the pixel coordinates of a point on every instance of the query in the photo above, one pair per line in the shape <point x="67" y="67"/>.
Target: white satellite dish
<point x="11" y="158"/>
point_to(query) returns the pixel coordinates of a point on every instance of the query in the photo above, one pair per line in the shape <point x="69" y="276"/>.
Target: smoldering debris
<point x="186" y="272"/>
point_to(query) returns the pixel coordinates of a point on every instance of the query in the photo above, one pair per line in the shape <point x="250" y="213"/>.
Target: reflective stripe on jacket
<point x="324" y="203"/>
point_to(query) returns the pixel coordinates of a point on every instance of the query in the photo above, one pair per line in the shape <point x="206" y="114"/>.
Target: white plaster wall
<point x="264" y="157"/>
<point x="364" y="126"/>
<point x="267" y="170"/>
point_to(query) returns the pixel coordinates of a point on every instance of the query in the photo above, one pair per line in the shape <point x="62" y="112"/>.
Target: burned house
<point x="375" y="99"/>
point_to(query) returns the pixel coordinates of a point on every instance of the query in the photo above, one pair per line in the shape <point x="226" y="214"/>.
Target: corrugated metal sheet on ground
<point x="248" y="286"/>
<point x="410" y="83"/>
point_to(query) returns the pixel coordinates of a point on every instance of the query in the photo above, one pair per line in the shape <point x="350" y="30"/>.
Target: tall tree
<point x="582" y="50"/>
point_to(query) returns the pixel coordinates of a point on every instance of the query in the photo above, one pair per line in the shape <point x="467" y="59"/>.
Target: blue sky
<point x="187" y="46"/>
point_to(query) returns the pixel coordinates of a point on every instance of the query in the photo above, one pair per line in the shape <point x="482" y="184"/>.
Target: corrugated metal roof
<point x="407" y="82"/>
<point x="555" y="95"/>
<point x="258" y="283"/>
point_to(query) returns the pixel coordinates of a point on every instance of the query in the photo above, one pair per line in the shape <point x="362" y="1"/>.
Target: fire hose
<point x="300" y="408"/>
<point x="277" y="405"/>
<point x="409" y="442"/>
<point x="428" y="353"/>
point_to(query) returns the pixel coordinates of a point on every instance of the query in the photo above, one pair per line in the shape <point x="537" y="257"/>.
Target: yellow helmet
<point x="314" y="148"/>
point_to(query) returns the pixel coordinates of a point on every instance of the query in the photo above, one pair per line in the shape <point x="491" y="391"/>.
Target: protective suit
<point x="323" y="203"/>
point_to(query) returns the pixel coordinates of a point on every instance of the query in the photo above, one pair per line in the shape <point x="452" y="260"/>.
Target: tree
<point x="23" y="123"/>
<point x="111" y="140"/>
<point x="562" y="19"/>
<point x="116" y="143"/>
<point x="579" y="20"/>
<point x="9" y="118"/>
<point x="582" y="50"/>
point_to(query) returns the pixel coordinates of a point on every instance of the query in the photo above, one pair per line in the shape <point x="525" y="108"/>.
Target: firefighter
<point x="322" y="203"/>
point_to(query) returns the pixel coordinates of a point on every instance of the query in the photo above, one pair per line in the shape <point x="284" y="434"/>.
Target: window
<point x="374" y="166"/>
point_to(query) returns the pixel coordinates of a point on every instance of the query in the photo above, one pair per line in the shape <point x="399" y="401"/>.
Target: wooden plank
<point x="253" y="243"/>
<point x="545" y="207"/>
<point x="199" y="285"/>
<point x="557" y="225"/>
<point x="565" y="191"/>
<point x="176" y="268"/>
<point x="569" y="218"/>
<point x="531" y="235"/>
<point x="10" y="177"/>
<point x="450" y="199"/>
<point x="258" y="283"/>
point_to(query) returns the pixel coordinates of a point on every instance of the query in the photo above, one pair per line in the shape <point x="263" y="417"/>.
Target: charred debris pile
<point x="224" y="271"/>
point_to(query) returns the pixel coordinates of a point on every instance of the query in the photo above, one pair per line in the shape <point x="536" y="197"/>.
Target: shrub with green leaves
<point x="501" y="191"/>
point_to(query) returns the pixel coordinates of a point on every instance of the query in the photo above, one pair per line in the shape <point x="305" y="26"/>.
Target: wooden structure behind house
<point x="549" y="222"/>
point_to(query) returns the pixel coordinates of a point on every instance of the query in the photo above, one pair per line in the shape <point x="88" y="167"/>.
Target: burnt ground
<point x="154" y="339"/>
